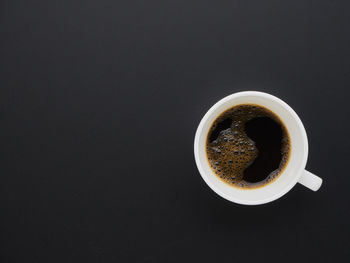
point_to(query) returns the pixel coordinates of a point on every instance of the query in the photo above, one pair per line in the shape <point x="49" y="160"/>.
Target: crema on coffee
<point x="248" y="146"/>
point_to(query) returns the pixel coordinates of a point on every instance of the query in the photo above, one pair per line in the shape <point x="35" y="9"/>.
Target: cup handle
<point x="310" y="180"/>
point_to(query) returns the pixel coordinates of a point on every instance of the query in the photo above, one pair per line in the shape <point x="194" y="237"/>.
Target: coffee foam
<point x="230" y="151"/>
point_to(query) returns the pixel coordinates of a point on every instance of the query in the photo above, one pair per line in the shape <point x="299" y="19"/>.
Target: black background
<point x="100" y="101"/>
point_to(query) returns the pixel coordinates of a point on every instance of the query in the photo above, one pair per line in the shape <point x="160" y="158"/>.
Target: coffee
<point x="248" y="146"/>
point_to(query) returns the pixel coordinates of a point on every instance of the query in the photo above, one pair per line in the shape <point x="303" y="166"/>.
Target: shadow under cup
<point x="291" y="173"/>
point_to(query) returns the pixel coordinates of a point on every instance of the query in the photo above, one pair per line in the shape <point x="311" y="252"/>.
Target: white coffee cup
<point x="293" y="173"/>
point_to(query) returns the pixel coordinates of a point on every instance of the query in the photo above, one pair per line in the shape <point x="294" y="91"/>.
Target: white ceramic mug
<point x="293" y="173"/>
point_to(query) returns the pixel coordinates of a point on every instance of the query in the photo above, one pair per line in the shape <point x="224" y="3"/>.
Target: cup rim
<point x="210" y="112"/>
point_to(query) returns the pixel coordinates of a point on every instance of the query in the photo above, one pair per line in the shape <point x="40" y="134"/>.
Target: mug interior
<point x="291" y="173"/>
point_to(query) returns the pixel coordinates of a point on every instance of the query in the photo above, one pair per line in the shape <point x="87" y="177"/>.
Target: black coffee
<point x="248" y="146"/>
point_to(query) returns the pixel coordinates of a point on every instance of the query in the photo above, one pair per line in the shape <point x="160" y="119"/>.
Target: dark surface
<point x="100" y="101"/>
